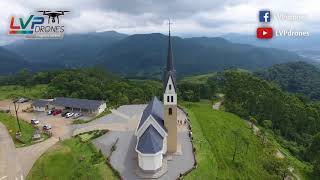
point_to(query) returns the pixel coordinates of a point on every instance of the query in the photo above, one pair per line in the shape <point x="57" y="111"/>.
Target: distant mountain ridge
<point x="11" y="63"/>
<point x="145" y="54"/>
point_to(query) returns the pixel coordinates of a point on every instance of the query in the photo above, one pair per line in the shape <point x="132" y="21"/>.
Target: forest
<point x="89" y="83"/>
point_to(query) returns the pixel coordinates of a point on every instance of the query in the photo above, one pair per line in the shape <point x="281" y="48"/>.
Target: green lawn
<point x="8" y="92"/>
<point x="215" y="134"/>
<point x="12" y="126"/>
<point x="71" y="159"/>
<point x="201" y="79"/>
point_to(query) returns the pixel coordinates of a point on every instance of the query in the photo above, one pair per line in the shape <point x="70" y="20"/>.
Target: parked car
<point x="50" y="112"/>
<point x="22" y="100"/>
<point x="35" y="121"/>
<point x="69" y="115"/>
<point x="56" y="112"/>
<point x="47" y="127"/>
<point x="64" y="113"/>
<point x="77" y="115"/>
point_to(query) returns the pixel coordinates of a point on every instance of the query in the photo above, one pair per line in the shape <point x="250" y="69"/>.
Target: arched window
<point x="168" y="99"/>
<point x="169" y="86"/>
<point x="171" y="98"/>
<point x="170" y="111"/>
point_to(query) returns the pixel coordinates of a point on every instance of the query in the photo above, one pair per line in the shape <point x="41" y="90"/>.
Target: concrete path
<point x="217" y="105"/>
<point x="120" y="114"/>
<point x="9" y="163"/>
<point x="29" y="155"/>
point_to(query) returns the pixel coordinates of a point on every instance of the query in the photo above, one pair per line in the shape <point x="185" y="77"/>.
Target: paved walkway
<point x="16" y="163"/>
<point x="9" y="164"/>
<point x="29" y="155"/>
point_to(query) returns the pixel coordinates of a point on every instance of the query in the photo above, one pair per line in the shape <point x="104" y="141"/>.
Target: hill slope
<point x="11" y="62"/>
<point x="145" y="54"/>
<point x="297" y="77"/>
<point x="215" y="134"/>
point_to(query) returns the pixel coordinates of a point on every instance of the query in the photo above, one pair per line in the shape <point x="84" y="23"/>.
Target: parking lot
<point x="59" y="124"/>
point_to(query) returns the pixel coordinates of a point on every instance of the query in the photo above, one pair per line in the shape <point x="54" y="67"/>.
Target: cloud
<point x="193" y="18"/>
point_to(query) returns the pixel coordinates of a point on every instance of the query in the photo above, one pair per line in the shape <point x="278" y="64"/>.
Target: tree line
<point x="89" y="83"/>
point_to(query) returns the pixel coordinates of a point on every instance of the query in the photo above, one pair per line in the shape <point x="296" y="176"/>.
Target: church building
<point x="157" y="129"/>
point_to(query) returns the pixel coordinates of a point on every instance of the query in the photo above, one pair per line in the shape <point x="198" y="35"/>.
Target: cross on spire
<point x="169" y="23"/>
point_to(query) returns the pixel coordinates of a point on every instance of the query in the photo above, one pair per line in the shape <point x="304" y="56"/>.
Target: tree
<point x="16" y="109"/>
<point x="267" y="124"/>
<point x="236" y="144"/>
<point x="316" y="168"/>
<point x="24" y="78"/>
<point x="253" y="121"/>
<point x="313" y="151"/>
<point x="263" y="136"/>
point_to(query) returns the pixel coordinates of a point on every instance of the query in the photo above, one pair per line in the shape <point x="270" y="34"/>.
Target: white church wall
<point x="164" y="147"/>
<point x="102" y="108"/>
<point x="150" y="162"/>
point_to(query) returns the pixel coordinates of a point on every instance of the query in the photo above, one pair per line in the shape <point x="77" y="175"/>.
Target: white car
<point x="69" y="115"/>
<point x="77" y="115"/>
<point x="47" y="127"/>
<point x="35" y="121"/>
<point x="50" y="112"/>
<point x="22" y="100"/>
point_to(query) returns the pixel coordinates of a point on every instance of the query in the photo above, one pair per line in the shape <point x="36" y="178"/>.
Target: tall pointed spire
<point x="169" y="72"/>
<point x="169" y="56"/>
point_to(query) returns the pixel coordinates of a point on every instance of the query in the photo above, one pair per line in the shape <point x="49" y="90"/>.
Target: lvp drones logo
<point x="35" y="27"/>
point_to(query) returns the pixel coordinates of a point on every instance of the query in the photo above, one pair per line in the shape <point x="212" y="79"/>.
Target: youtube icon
<point x="264" y="33"/>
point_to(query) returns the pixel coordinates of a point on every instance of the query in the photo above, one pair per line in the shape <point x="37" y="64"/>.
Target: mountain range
<point x="144" y="54"/>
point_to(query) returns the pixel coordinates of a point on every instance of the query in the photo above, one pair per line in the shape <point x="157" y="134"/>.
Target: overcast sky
<point x="190" y="17"/>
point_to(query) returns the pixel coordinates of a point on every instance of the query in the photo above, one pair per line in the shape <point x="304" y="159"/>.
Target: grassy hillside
<point x="8" y="92"/>
<point x="215" y="134"/>
<point x="71" y="159"/>
<point x="201" y="79"/>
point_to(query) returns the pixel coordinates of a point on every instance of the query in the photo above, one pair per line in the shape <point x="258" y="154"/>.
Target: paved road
<point x="29" y="155"/>
<point x="9" y="165"/>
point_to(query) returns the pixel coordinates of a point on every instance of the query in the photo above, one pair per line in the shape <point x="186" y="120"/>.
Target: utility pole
<point x="16" y="109"/>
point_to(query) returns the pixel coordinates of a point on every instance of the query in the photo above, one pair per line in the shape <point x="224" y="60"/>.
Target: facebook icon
<point x="264" y="16"/>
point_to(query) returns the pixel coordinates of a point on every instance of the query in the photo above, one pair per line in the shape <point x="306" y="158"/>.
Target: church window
<point x="171" y="98"/>
<point x="169" y="86"/>
<point x="168" y="99"/>
<point x="170" y="111"/>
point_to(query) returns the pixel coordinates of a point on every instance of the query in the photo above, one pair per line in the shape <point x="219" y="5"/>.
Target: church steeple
<point x="169" y="56"/>
<point x="169" y="72"/>
<point x="170" y="100"/>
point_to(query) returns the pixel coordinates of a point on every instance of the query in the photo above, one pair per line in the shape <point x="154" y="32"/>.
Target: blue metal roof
<point x="77" y="103"/>
<point x="150" y="142"/>
<point x="154" y="108"/>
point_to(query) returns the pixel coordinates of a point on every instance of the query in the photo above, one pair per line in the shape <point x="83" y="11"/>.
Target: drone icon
<point x="53" y="15"/>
